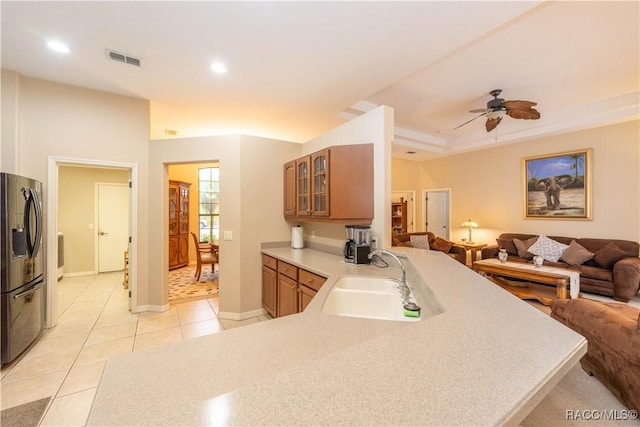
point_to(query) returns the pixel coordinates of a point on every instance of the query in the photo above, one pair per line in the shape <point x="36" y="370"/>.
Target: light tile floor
<point x="94" y="324"/>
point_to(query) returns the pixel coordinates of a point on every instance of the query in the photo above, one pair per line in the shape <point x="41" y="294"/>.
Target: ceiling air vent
<point x="115" y="56"/>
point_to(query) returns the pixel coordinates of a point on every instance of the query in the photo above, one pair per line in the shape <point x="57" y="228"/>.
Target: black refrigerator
<point x="23" y="264"/>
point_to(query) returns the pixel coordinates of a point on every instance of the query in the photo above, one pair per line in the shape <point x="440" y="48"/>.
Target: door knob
<point x="102" y="233"/>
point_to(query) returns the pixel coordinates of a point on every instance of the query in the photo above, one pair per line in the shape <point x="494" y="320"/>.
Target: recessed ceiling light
<point x="218" y="67"/>
<point x="58" y="46"/>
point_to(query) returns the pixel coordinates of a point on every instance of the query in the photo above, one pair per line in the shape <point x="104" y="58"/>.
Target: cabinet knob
<point x="310" y="280"/>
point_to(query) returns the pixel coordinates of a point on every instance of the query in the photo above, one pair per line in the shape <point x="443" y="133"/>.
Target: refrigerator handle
<point x="29" y="291"/>
<point x="32" y="200"/>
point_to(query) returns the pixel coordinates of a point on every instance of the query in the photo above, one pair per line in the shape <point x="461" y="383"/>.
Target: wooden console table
<point x="562" y="278"/>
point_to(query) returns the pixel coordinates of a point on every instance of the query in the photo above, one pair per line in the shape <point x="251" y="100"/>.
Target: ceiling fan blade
<point x="519" y="105"/>
<point x="469" y="121"/>
<point x="521" y="110"/>
<point x="492" y="123"/>
<point x="481" y="110"/>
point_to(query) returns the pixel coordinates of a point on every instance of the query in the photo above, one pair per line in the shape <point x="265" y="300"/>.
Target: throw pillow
<point x="509" y="245"/>
<point x="432" y="237"/>
<point x="522" y="247"/>
<point x="442" y="245"/>
<point x="576" y="254"/>
<point x="548" y="249"/>
<point x="609" y="255"/>
<point x="420" y="241"/>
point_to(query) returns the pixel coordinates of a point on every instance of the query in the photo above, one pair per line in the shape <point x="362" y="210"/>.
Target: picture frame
<point x="557" y="186"/>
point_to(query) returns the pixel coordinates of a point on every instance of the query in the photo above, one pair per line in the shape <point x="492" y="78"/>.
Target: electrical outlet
<point x="228" y="235"/>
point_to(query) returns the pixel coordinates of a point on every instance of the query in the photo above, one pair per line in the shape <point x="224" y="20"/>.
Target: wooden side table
<point x="474" y="248"/>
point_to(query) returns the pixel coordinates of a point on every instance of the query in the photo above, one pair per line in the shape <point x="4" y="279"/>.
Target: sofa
<point x="428" y="240"/>
<point x="607" y="267"/>
<point x="612" y="331"/>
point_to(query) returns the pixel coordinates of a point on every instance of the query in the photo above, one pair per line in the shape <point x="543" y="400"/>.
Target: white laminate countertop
<point x="488" y="359"/>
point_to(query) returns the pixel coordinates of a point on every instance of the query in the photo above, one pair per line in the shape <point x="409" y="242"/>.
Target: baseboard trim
<point x="80" y="273"/>
<point x="241" y="316"/>
<point x="152" y="308"/>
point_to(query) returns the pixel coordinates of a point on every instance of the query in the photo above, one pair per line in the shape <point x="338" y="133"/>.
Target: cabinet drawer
<point x="311" y="280"/>
<point x="288" y="270"/>
<point x="269" y="262"/>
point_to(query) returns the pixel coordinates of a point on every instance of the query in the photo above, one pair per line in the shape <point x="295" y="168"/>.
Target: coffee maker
<point x="358" y="244"/>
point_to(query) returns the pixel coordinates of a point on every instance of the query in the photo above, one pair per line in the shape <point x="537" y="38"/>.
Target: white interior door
<point x="437" y="212"/>
<point x="112" y="230"/>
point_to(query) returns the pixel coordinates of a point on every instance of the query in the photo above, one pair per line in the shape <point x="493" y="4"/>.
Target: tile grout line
<point x="55" y="396"/>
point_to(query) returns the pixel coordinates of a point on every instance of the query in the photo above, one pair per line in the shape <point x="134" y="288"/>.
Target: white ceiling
<point x="298" y="69"/>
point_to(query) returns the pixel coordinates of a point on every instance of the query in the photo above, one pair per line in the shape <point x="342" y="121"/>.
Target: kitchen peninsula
<point x="487" y="359"/>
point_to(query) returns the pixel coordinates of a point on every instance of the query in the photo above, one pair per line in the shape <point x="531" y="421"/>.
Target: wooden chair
<point x="205" y="255"/>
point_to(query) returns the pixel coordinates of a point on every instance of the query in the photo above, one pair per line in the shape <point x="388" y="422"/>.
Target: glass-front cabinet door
<point x="184" y="208"/>
<point x="303" y="202"/>
<point x="173" y="209"/>
<point x="320" y="172"/>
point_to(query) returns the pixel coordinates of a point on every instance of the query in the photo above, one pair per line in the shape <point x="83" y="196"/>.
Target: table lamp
<point x="470" y="225"/>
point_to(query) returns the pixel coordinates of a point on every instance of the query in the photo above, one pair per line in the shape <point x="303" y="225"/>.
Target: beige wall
<point x="54" y="120"/>
<point x="76" y="210"/>
<point x="374" y="127"/>
<point x="250" y="208"/>
<point x="9" y="121"/>
<point x="486" y="185"/>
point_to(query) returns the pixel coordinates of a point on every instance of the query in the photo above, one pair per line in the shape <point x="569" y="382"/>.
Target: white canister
<point x="297" y="239"/>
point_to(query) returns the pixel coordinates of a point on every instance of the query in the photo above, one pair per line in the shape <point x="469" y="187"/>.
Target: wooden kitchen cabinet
<point x="269" y="284"/>
<point x="305" y="295"/>
<point x="290" y="188"/>
<point x="178" y="224"/>
<point x="333" y="185"/>
<point x="320" y="176"/>
<point x="287" y="289"/>
<point x="308" y="286"/>
<point x="302" y="187"/>
<point x="287" y="300"/>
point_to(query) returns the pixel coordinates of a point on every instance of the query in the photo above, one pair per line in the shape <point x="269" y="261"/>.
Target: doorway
<point x="437" y="212"/>
<point x="54" y="203"/>
<point x="193" y="217"/>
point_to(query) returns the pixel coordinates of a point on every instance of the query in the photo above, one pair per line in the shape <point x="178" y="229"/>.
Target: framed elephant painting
<point x="557" y="186"/>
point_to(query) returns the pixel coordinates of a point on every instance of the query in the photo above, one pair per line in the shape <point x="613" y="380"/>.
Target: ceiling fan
<point x="498" y="107"/>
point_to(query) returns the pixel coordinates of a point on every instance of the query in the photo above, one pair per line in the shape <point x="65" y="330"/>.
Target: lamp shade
<point x="469" y="224"/>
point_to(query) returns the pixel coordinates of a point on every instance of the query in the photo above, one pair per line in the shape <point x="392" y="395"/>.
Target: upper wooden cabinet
<point x="320" y="172"/>
<point x="332" y="185"/>
<point x="302" y="188"/>
<point x="290" y="188"/>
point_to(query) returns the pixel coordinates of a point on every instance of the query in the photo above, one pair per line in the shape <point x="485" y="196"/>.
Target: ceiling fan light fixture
<point x="495" y="114"/>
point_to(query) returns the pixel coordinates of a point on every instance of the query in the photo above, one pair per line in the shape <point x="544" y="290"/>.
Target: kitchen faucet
<point x="404" y="287"/>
